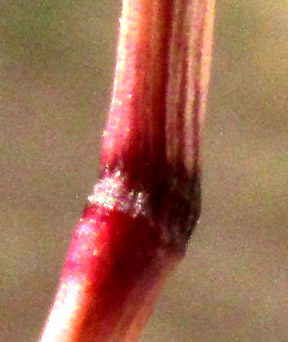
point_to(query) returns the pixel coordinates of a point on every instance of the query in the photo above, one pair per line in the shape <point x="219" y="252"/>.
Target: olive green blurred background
<point x="56" y="68"/>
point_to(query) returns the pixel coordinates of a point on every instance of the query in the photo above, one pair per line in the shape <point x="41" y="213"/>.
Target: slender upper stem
<point x="160" y="86"/>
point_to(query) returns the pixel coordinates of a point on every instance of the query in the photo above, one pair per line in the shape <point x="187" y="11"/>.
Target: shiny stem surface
<point x="137" y="222"/>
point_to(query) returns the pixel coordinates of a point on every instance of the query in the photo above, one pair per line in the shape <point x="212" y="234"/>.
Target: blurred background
<point x="56" y="68"/>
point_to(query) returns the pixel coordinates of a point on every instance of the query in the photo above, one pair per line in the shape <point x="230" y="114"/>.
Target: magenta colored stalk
<point x="139" y="219"/>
